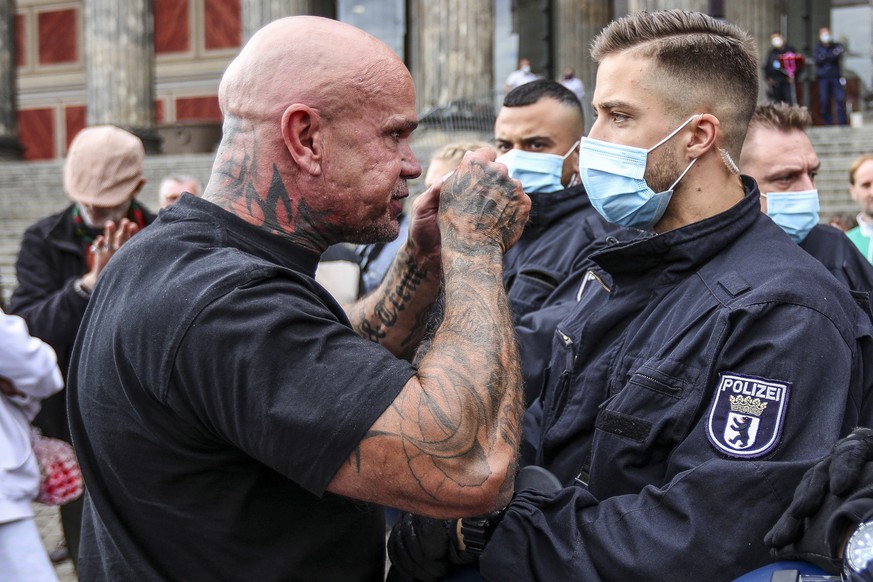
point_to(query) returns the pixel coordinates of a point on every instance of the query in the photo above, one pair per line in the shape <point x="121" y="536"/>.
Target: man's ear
<point x="301" y="131"/>
<point x="704" y="135"/>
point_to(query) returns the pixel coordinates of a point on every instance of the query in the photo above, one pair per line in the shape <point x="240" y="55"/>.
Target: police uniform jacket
<point x="562" y="231"/>
<point x="701" y="373"/>
<point x="827" y="60"/>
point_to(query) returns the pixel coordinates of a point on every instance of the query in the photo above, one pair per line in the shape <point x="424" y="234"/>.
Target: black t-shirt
<point x="215" y="390"/>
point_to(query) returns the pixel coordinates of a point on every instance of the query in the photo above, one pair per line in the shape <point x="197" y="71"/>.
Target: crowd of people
<point x="632" y="352"/>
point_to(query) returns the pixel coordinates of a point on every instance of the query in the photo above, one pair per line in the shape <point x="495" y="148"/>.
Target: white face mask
<point x="825" y="38"/>
<point x="777" y="43"/>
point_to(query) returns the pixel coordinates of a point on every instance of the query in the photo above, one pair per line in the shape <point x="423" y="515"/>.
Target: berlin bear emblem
<point x="746" y="416"/>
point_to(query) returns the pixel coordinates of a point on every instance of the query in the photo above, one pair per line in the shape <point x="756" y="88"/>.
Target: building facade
<point x="153" y="66"/>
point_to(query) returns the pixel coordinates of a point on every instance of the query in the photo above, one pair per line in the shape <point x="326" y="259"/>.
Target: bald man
<point x="252" y="431"/>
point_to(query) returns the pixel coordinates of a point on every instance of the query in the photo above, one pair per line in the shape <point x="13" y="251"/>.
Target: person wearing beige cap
<point x="61" y="257"/>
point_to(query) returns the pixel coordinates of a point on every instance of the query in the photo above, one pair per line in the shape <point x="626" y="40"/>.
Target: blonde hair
<point x="857" y="164"/>
<point x="454" y="152"/>
<point x="782" y="117"/>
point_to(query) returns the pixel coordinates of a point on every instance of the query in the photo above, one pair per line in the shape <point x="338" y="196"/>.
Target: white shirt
<point x="32" y="367"/>
<point x="575" y="85"/>
<point x="519" y="77"/>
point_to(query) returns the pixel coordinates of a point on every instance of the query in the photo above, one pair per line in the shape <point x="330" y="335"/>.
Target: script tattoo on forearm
<point x="386" y="312"/>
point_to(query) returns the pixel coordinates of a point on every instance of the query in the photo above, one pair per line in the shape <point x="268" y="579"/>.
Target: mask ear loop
<point x="576" y="179"/>
<point x="674" y="132"/>
<point x="570" y="151"/>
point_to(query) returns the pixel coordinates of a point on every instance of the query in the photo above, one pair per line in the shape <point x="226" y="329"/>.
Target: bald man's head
<point x="317" y="120"/>
<point x="315" y="61"/>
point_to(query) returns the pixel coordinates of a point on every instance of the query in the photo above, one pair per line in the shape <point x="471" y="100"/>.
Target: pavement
<point x="48" y="520"/>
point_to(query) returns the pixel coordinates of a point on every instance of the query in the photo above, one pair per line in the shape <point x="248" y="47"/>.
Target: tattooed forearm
<point x="452" y="433"/>
<point x="394" y="315"/>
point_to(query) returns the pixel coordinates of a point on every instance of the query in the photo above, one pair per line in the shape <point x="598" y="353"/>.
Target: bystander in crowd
<point x="63" y="255"/>
<point x="172" y="187"/>
<point x="861" y="191"/>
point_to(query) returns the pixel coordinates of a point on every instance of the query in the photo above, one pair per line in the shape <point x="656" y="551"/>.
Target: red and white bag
<point x="61" y="479"/>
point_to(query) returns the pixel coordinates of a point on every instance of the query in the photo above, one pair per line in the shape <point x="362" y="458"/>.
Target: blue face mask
<point x="795" y="212"/>
<point x="537" y="172"/>
<point x="613" y="175"/>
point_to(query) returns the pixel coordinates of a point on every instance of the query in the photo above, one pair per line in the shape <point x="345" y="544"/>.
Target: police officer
<point x="696" y="380"/>
<point x="778" y="154"/>
<point x="537" y="132"/>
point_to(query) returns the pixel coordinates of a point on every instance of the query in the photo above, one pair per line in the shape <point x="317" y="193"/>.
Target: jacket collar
<point x="686" y="248"/>
<point x="548" y="208"/>
<point x="61" y="231"/>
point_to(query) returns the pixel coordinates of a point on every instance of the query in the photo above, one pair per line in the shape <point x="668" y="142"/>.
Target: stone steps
<point x="837" y="147"/>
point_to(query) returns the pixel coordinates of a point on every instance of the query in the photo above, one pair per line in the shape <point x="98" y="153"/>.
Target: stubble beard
<point x="386" y="228"/>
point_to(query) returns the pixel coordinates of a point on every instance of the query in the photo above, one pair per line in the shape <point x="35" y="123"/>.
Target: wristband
<point x="477" y="531"/>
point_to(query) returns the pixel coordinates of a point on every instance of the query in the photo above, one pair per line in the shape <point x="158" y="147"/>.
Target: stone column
<point x="119" y="65"/>
<point x="257" y="13"/>
<point x="576" y="23"/>
<point x="10" y="148"/>
<point x="652" y="5"/>
<point x="451" y="51"/>
<point x="759" y="18"/>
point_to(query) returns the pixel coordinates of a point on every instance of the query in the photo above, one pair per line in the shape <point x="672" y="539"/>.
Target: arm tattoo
<point x="383" y="320"/>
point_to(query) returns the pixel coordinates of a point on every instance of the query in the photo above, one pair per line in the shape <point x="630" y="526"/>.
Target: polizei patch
<point x="746" y="416"/>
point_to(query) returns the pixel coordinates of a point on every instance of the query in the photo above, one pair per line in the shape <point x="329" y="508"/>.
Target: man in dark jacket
<point x="61" y="257"/>
<point x="780" y="69"/>
<point x="828" y="72"/>
<point x="537" y="132"/>
<point x="777" y="153"/>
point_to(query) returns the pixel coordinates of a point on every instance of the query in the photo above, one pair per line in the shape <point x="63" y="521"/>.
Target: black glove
<point x="426" y="549"/>
<point x="423" y="549"/>
<point x="801" y="531"/>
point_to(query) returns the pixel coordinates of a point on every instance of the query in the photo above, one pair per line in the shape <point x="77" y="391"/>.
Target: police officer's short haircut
<point x="781" y="117"/>
<point x="533" y="91"/>
<point x="700" y="62"/>
<point x="857" y="164"/>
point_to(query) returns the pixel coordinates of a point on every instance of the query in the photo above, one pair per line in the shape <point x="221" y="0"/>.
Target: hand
<point x="423" y="548"/>
<point x="106" y="245"/>
<point x="8" y="388"/>
<point x="424" y="232"/>
<point x="481" y="202"/>
<point x="800" y="532"/>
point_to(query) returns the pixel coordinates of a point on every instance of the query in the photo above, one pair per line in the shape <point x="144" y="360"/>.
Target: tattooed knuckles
<point x="481" y="201"/>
